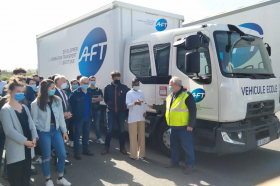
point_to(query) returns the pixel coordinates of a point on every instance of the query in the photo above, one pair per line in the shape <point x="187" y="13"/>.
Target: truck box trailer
<point x="236" y="99"/>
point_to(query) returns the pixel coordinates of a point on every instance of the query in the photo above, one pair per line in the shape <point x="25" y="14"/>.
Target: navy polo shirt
<point x="86" y="105"/>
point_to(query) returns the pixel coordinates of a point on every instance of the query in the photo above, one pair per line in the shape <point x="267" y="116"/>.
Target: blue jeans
<point x="82" y="125"/>
<point x="184" y="137"/>
<point x="71" y="133"/>
<point x="113" y="117"/>
<point x="53" y="138"/>
<point x="96" y="119"/>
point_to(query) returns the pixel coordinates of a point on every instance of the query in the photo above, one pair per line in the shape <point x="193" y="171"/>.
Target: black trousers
<point x="19" y="172"/>
<point x="2" y="143"/>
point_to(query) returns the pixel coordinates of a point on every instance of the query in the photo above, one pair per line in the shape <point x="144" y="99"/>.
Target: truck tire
<point x="163" y="138"/>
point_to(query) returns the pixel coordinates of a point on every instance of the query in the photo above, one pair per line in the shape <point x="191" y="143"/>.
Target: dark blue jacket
<point x="76" y="102"/>
<point x="30" y="96"/>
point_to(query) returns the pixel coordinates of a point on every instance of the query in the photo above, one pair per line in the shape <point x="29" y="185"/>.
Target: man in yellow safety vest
<point x="180" y="116"/>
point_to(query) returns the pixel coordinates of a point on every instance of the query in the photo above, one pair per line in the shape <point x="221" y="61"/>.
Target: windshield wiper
<point x="254" y="76"/>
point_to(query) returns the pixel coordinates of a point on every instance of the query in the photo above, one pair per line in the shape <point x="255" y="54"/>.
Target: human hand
<point x="34" y="141"/>
<point x="65" y="137"/>
<point x="189" y="128"/>
<point x="138" y="102"/>
<point x="29" y="144"/>
<point x="144" y="114"/>
<point x="150" y="106"/>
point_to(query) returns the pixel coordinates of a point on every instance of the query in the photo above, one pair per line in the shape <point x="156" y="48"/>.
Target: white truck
<point x="226" y="68"/>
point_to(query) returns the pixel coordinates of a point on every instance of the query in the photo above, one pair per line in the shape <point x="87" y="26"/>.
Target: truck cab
<point x="228" y="71"/>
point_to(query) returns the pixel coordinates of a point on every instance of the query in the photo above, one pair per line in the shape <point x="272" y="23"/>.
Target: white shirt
<point x="135" y="111"/>
<point x="2" y="84"/>
<point x="64" y="101"/>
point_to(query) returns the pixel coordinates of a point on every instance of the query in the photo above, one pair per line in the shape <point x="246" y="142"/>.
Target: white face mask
<point x="64" y="85"/>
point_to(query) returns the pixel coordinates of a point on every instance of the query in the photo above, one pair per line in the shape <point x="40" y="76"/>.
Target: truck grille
<point x="260" y="108"/>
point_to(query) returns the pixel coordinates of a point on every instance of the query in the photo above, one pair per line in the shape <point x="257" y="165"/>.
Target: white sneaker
<point x="81" y="142"/>
<point x="38" y="161"/>
<point x="100" y="141"/>
<point x="1" y="184"/>
<point x="49" y="183"/>
<point x="32" y="167"/>
<point x="63" y="181"/>
<point x="71" y="144"/>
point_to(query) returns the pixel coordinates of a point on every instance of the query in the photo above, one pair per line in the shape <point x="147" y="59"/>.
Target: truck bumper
<point x="237" y="137"/>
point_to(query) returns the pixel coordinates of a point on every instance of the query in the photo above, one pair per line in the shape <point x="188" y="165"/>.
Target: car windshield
<point x="238" y="56"/>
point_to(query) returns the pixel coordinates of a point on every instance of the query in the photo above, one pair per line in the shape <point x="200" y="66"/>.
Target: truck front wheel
<point x="163" y="138"/>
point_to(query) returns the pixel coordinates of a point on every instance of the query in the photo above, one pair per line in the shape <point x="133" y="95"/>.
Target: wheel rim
<point x="166" y="138"/>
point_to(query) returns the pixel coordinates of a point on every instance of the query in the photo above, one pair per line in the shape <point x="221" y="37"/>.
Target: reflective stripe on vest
<point x="178" y="114"/>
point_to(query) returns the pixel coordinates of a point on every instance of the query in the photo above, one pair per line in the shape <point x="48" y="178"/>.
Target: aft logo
<point x="198" y="94"/>
<point x="161" y="24"/>
<point x="93" y="52"/>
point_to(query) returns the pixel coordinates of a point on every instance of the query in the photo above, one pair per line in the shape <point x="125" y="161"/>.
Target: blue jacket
<point x="77" y="101"/>
<point x="30" y="96"/>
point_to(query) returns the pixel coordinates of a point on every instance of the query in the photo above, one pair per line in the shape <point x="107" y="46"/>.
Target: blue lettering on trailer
<point x="93" y="52"/>
<point x="198" y="94"/>
<point x="161" y="24"/>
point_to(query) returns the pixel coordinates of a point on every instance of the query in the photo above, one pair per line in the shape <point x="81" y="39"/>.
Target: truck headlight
<point x="227" y="139"/>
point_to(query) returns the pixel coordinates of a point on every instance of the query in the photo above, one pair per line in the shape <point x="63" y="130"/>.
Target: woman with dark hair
<point x="47" y="113"/>
<point x="21" y="135"/>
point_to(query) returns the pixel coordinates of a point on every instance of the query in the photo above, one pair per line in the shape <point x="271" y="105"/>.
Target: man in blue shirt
<point x="80" y="102"/>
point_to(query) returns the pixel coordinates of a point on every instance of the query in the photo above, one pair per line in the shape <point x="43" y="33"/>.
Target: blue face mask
<point x="19" y="96"/>
<point x="33" y="86"/>
<point x="51" y="93"/>
<point x="136" y="88"/>
<point x="0" y="76"/>
<point x="75" y="86"/>
<point x="171" y="89"/>
<point x="67" y="86"/>
<point x="85" y="87"/>
<point x="92" y="83"/>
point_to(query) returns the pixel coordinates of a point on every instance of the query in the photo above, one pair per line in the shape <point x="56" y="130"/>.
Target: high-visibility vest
<point x="178" y="114"/>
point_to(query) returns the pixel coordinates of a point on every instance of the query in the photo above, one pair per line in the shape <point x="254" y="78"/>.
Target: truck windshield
<point x="238" y="57"/>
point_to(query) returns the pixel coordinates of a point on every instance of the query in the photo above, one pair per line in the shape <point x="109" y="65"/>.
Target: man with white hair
<point x="180" y="116"/>
<point x="80" y="102"/>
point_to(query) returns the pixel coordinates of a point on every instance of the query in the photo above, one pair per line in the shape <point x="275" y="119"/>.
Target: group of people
<point x="38" y="116"/>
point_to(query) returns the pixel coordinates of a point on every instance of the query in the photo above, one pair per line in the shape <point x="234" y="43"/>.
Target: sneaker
<point x="49" y="183"/>
<point x="38" y="161"/>
<point x="81" y="142"/>
<point x="63" y="181"/>
<point x="189" y="170"/>
<point x="32" y="167"/>
<point x="71" y="144"/>
<point x="100" y="141"/>
<point x="1" y="184"/>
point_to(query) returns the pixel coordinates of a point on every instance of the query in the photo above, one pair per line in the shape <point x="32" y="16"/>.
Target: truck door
<point x="161" y="54"/>
<point x="141" y="66"/>
<point x="205" y="94"/>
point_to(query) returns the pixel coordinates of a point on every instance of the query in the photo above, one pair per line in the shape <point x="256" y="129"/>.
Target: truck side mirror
<point x="268" y="48"/>
<point x="192" y="42"/>
<point x="192" y="61"/>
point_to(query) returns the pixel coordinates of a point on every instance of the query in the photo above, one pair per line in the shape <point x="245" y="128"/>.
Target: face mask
<point x="85" y="87"/>
<point x="171" y="89"/>
<point x="19" y="96"/>
<point x="51" y="93"/>
<point x="92" y="83"/>
<point x="117" y="81"/>
<point x="136" y="88"/>
<point x="67" y="86"/>
<point x="0" y="76"/>
<point x="75" y="86"/>
<point x="33" y="86"/>
<point x="64" y="85"/>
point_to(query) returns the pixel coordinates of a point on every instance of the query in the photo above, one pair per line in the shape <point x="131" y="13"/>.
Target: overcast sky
<point x="22" y="20"/>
